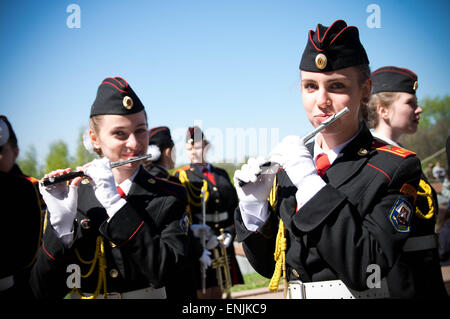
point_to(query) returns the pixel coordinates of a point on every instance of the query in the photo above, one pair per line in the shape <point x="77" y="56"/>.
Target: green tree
<point x="433" y="129"/>
<point x="82" y="155"/>
<point x="29" y="164"/>
<point x="58" y="157"/>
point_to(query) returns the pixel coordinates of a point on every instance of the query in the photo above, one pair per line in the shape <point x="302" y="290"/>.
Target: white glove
<point x="258" y="184"/>
<point x="226" y="238"/>
<point x="99" y="170"/>
<point x="212" y="242"/>
<point x="205" y="260"/>
<point x="253" y="195"/>
<point x="200" y="230"/>
<point x="61" y="200"/>
<point x="296" y="160"/>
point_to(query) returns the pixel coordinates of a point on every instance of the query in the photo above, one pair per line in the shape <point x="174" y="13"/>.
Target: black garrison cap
<point x="394" y="79"/>
<point x="333" y="48"/>
<point x="115" y="96"/>
<point x="194" y="134"/>
<point x="160" y="136"/>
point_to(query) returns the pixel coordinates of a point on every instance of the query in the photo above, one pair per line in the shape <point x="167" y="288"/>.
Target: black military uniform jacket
<point x="144" y="240"/>
<point x="220" y="209"/>
<point x="363" y="216"/>
<point x="20" y="233"/>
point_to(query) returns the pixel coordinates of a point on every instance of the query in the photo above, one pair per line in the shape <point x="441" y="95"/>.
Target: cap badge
<point x="127" y="102"/>
<point x="321" y="61"/>
<point x="415" y="86"/>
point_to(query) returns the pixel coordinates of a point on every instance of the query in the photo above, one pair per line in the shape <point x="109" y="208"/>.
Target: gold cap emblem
<point x="127" y="102"/>
<point x="415" y="86"/>
<point x="321" y="61"/>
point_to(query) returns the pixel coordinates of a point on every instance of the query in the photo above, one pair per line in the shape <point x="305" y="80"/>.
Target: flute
<point x="307" y="137"/>
<point x="72" y="175"/>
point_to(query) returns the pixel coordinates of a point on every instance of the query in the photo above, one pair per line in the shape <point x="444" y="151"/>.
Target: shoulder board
<point x="399" y="151"/>
<point x="184" y="168"/>
<point x="32" y="179"/>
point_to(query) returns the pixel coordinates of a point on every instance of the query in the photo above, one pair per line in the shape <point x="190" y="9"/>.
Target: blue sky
<point x="227" y="65"/>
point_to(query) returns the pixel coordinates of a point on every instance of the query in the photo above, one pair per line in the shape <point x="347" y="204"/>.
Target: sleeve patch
<point x="400" y="216"/>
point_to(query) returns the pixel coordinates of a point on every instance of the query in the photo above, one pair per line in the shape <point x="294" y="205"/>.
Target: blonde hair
<point x="382" y="98"/>
<point x="94" y="125"/>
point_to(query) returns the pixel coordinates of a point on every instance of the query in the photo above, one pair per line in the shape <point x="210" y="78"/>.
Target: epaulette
<point x="184" y="168"/>
<point x="32" y="179"/>
<point x="399" y="151"/>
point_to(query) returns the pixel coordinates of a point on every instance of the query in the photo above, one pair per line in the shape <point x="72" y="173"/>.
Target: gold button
<point x="112" y="244"/>
<point x="113" y="273"/>
<point x="127" y="102"/>
<point x="321" y="61"/>
<point x="85" y="223"/>
<point x="295" y="273"/>
<point x="215" y="188"/>
<point x="415" y="86"/>
<point x="151" y="181"/>
<point x="85" y="181"/>
<point x="217" y="201"/>
<point x="363" y="152"/>
<point x="192" y="169"/>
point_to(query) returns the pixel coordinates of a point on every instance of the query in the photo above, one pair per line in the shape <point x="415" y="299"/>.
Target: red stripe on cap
<point x="396" y="71"/>
<point x="347" y="27"/>
<point x="158" y="130"/>
<point x="317" y="28"/>
<point x="126" y="83"/>
<point x="104" y="82"/>
<point x="121" y="84"/>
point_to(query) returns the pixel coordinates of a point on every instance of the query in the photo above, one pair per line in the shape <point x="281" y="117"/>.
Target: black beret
<point x="394" y="79"/>
<point x="194" y="134"/>
<point x="160" y="136"/>
<point x="115" y="96"/>
<point x="333" y="48"/>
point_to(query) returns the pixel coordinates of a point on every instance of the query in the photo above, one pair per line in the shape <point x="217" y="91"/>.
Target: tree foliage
<point x="433" y="129"/>
<point x="58" y="157"/>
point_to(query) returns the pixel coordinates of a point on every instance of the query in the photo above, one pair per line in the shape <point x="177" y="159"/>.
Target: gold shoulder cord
<point x="100" y="257"/>
<point x="280" y="248"/>
<point x="192" y="191"/>
<point x="427" y="193"/>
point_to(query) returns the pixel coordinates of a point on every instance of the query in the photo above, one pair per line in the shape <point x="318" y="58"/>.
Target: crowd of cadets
<point x="328" y="210"/>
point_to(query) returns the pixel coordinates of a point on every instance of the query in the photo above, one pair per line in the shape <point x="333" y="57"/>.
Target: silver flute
<point x="72" y="175"/>
<point x="309" y="136"/>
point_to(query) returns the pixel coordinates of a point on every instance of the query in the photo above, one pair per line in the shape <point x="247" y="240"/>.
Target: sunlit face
<point x="8" y="157"/>
<point x="403" y="114"/>
<point x="121" y="137"/>
<point x="196" y="153"/>
<point x="325" y="94"/>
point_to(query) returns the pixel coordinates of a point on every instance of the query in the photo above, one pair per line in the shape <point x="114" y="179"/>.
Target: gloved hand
<point x="99" y="170"/>
<point x="212" y="242"/>
<point x="198" y="230"/>
<point x="253" y="195"/>
<point x="258" y="184"/>
<point x="205" y="260"/>
<point x="225" y="239"/>
<point x="61" y="200"/>
<point x="296" y="160"/>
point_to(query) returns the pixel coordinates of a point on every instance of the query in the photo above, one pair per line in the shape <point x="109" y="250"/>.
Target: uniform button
<point x="112" y="244"/>
<point x="363" y="152"/>
<point x="295" y="273"/>
<point x="85" y="223"/>
<point x="113" y="273"/>
<point x="192" y="169"/>
<point x="217" y="201"/>
<point x="151" y="181"/>
<point x="215" y="188"/>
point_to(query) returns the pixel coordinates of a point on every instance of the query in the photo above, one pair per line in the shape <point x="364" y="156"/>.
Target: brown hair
<point x="382" y="98"/>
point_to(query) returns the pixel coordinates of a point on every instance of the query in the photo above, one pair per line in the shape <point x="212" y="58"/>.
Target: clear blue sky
<point x="229" y="64"/>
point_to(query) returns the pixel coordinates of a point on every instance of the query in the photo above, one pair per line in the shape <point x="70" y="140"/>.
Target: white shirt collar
<point x="333" y="153"/>
<point x="126" y="184"/>
<point x="385" y="139"/>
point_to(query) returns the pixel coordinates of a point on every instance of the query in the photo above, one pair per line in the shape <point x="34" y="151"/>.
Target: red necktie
<point x="209" y="175"/>
<point x="121" y="192"/>
<point x="322" y="164"/>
